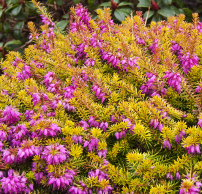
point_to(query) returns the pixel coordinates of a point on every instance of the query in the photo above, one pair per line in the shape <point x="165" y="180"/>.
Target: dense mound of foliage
<point x="15" y="15"/>
<point x="105" y="108"/>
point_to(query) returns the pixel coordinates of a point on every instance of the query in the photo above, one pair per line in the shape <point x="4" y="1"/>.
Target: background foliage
<point x="15" y="14"/>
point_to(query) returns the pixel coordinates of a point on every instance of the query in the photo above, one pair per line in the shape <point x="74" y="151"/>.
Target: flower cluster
<point x="192" y="149"/>
<point x="174" y="80"/>
<point x="190" y="185"/>
<point x="15" y="183"/>
<point x="54" y="154"/>
<point x="98" y="109"/>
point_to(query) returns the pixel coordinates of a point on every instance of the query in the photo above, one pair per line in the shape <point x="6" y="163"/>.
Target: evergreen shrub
<point x="103" y="108"/>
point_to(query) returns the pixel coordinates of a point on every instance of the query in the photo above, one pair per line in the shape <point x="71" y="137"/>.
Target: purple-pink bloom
<point x="166" y="143"/>
<point x="25" y="73"/>
<point x="28" y="114"/>
<point x="10" y="156"/>
<point x="51" y="130"/>
<point x="198" y="89"/>
<point x="77" y="138"/>
<point x="84" y="124"/>
<point x="15" y="183"/>
<point x="154" y="46"/>
<point x="102" y="153"/>
<point x="199" y="122"/>
<point x="174" y="80"/>
<point x="27" y="149"/>
<point x="178" y="176"/>
<point x="63" y="181"/>
<point x="36" y="98"/>
<point x="19" y="131"/>
<point x="192" y="149"/>
<point x="10" y="115"/>
<point x="169" y="175"/>
<point x="55" y="154"/>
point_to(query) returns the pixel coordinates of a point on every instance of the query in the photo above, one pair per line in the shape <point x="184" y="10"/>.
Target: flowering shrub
<point x="104" y="108"/>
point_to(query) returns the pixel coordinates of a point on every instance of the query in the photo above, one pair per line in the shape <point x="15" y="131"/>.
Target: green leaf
<point x="176" y="10"/>
<point x="10" y="7"/>
<point x="151" y="13"/>
<point x="50" y="1"/>
<point x="126" y="3"/>
<point x="1" y="44"/>
<point x="8" y="2"/>
<point x="1" y="12"/>
<point x="59" y="2"/>
<point x="166" y="12"/>
<point x="144" y="3"/>
<point x="180" y="3"/>
<point x="198" y="11"/>
<point x="30" y="5"/>
<point x="120" y="14"/>
<point x="127" y="10"/>
<point x="17" y="33"/>
<point x="167" y="2"/>
<point x="91" y="3"/>
<point x="66" y="16"/>
<point x="76" y="1"/>
<point x="158" y="1"/>
<point x="7" y="27"/>
<point x="16" y="10"/>
<point x="62" y="24"/>
<point x="116" y="1"/>
<point x="106" y="4"/>
<point x="188" y="14"/>
<point x="15" y="1"/>
<point x="21" y="16"/>
<point x="16" y="42"/>
<point x="156" y="18"/>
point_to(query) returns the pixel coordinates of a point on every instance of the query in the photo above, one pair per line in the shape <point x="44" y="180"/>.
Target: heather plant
<point x="103" y="108"/>
<point x="14" y="16"/>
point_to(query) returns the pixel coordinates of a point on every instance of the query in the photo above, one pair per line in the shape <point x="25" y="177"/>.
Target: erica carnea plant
<point x="103" y="108"/>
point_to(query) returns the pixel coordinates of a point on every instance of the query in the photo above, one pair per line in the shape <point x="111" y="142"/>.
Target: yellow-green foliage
<point x="107" y="108"/>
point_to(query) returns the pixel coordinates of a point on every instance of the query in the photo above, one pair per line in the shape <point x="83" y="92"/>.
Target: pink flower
<point x="27" y="149"/>
<point x="178" y="176"/>
<point x="154" y="46"/>
<point x="15" y="183"/>
<point x="102" y="153"/>
<point x="166" y="143"/>
<point x="63" y="181"/>
<point x="104" y="125"/>
<point x="199" y="122"/>
<point x="9" y="156"/>
<point x="55" y="154"/>
<point x="20" y="131"/>
<point x="25" y="73"/>
<point x="174" y="80"/>
<point x="10" y="115"/>
<point x="84" y="124"/>
<point x="169" y="175"/>
<point x="192" y="149"/>
<point x="36" y="98"/>
<point x="77" y="138"/>
<point x="198" y="89"/>
<point x="51" y="130"/>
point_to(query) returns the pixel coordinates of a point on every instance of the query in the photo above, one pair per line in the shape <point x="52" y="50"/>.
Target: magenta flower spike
<point x="55" y="154"/>
<point x="166" y="143"/>
<point x="178" y="176"/>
